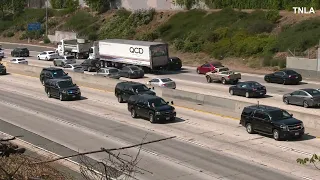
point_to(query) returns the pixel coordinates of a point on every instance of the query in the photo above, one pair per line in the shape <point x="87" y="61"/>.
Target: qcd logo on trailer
<point x="136" y="50"/>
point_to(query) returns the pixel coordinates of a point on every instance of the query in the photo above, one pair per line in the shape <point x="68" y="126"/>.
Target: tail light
<point x="228" y="76"/>
<point x="163" y="85"/>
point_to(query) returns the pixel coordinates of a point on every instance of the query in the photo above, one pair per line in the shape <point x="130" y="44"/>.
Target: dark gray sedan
<point x="131" y="72"/>
<point x="303" y="97"/>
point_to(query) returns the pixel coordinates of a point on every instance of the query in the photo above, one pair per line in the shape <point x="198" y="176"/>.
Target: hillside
<point x="246" y="38"/>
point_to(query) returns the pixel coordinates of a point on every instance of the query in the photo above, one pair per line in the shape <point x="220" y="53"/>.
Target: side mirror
<point x="291" y="115"/>
<point x="172" y="102"/>
<point x="167" y="102"/>
<point x="75" y="84"/>
<point x="67" y="73"/>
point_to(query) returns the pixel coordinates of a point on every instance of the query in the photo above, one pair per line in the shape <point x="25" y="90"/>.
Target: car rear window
<point x="113" y="70"/>
<point x="313" y="92"/>
<point x="166" y="80"/>
<point x="20" y="59"/>
<point x="58" y="73"/>
<point x="254" y="84"/>
<point x="134" y="68"/>
<point x="290" y="72"/>
<point x="51" y="52"/>
<point x="69" y="57"/>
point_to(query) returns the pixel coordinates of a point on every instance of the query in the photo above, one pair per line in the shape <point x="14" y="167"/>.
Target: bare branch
<point x="104" y="150"/>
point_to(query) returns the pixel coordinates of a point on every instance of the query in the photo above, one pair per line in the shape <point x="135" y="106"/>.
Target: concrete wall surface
<point x="59" y="35"/>
<point x="302" y="63"/>
<point x="212" y="104"/>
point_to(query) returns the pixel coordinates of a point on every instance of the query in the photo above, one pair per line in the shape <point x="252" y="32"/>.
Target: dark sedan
<point x="285" y="76"/>
<point x="20" y="52"/>
<point x="131" y="72"/>
<point x="248" y="89"/>
<point x="174" y="63"/>
<point x="303" y="97"/>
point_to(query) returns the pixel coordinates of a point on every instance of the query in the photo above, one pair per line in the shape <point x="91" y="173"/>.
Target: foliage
<point x="251" y="4"/>
<point x="46" y="40"/>
<point x="300" y="36"/>
<point x="64" y="4"/>
<point x="221" y="34"/>
<point x="100" y="5"/>
<point x="124" y="23"/>
<point x="315" y="159"/>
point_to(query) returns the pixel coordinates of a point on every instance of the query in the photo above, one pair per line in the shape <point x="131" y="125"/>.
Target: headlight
<point x="64" y="91"/>
<point x="158" y="113"/>
<point x="284" y="127"/>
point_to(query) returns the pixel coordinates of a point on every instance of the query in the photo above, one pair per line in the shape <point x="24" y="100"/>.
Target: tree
<point x="315" y="159"/>
<point x="100" y="5"/>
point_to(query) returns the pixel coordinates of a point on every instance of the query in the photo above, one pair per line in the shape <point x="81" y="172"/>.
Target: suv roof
<point x="130" y="83"/>
<point x="57" y="80"/>
<point x="263" y="108"/>
<point x="144" y="97"/>
<point x="51" y="69"/>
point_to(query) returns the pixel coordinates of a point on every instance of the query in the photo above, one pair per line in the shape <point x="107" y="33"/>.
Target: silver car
<point x="74" y="67"/>
<point x="109" y="72"/>
<point x="162" y="82"/>
<point x="303" y="97"/>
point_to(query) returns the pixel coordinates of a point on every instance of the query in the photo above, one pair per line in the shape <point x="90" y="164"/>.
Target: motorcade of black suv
<point x="20" y="52"/>
<point x="62" y="89"/>
<point x="152" y="107"/>
<point x="248" y="89"/>
<point x="124" y="90"/>
<point x="53" y="73"/>
<point x="285" y="76"/>
<point x="271" y="121"/>
<point x="3" y="69"/>
<point x="303" y="97"/>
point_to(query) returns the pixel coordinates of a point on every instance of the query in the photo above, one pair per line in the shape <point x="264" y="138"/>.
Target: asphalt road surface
<point x="206" y="147"/>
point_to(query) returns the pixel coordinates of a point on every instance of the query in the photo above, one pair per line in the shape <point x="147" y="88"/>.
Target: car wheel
<point x="48" y="94"/>
<point x="305" y="104"/>
<point x="54" y="63"/>
<point x="276" y="135"/>
<point x="224" y="81"/>
<point x="172" y="118"/>
<point x="231" y="92"/>
<point x="249" y="128"/>
<point x="133" y="113"/>
<point x="198" y="71"/>
<point x="209" y="80"/>
<point x="286" y="100"/>
<point x="38" y="58"/>
<point x="284" y="82"/>
<point x="89" y="69"/>
<point x="120" y="100"/>
<point x="151" y="118"/>
<point x="46" y="59"/>
<point x="61" y="97"/>
<point x="247" y="94"/>
<point x="267" y="79"/>
<point x="42" y="82"/>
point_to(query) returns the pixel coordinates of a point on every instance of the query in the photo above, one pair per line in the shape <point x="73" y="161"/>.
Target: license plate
<point x="296" y="134"/>
<point x="167" y="118"/>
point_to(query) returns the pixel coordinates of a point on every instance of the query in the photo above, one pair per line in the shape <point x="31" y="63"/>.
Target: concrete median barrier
<point x="206" y="103"/>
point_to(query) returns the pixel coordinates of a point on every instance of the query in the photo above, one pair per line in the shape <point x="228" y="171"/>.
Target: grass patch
<point x="300" y="36"/>
<point x="221" y="34"/>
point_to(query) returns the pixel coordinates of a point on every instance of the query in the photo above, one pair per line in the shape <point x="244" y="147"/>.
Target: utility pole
<point x="46" y="18"/>
<point x="12" y="7"/>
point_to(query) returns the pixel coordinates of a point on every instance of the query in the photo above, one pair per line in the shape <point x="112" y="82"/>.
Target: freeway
<point x="207" y="147"/>
<point x="208" y="89"/>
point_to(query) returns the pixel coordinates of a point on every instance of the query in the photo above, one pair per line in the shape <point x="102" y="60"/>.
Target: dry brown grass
<point x="26" y="171"/>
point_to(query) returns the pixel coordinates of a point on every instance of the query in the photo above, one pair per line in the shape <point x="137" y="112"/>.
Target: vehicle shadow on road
<point x="6" y="74"/>
<point x="81" y="99"/>
<point x="177" y="120"/>
<point x="171" y="72"/>
<point x="305" y="137"/>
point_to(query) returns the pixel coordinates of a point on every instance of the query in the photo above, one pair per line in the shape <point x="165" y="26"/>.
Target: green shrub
<point x="23" y="36"/>
<point x="267" y="60"/>
<point x="46" y="40"/>
<point x="92" y="36"/>
<point x="10" y="34"/>
<point x="80" y="21"/>
<point x="149" y="36"/>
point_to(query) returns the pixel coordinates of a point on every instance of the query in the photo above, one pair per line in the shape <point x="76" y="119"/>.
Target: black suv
<point x="20" y="52"/>
<point x="53" y="73"/>
<point x="174" y="63"/>
<point x="124" y="90"/>
<point x="271" y="121"/>
<point x="152" y="107"/>
<point x="3" y="69"/>
<point x="90" y="65"/>
<point x="62" y="89"/>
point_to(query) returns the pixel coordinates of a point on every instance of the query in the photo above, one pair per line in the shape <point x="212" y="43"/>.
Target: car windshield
<point x="140" y="88"/>
<point x="133" y="68"/>
<point x="279" y="115"/>
<point x="51" y="52"/>
<point x="254" y="84"/>
<point x="20" y="59"/>
<point x="313" y="92"/>
<point x="58" y="73"/>
<point x="65" y="84"/>
<point x="69" y="57"/>
<point x="112" y="71"/>
<point x="166" y="80"/>
<point x="157" y="102"/>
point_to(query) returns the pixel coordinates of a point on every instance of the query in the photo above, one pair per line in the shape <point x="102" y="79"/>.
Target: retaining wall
<point x="222" y="106"/>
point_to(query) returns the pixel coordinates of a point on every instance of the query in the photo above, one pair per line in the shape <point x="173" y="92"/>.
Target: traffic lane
<point x="184" y="153"/>
<point x="218" y="90"/>
<point x="82" y="140"/>
<point x="30" y="47"/>
<point x="211" y="131"/>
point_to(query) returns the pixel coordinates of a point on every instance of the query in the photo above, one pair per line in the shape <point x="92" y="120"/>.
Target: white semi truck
<point x="79" y="48"/>
<point x="149" y="56"/>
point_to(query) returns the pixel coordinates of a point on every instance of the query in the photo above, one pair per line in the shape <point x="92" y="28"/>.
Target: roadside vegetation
<point x="258" y="36"/>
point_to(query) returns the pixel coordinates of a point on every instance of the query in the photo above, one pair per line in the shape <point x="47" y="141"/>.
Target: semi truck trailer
<point x="150" y="56"/>
<point x="79" y="48"/>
